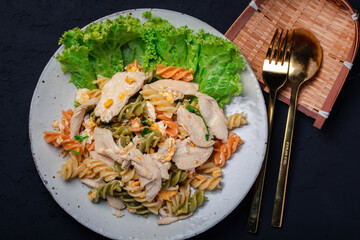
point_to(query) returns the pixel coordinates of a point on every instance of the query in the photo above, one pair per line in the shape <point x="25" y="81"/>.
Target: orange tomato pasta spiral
<point x="224" y="151"/>
<point x="62" y="137"/>
<point x="172" y="128"/>
<point x="65" y="121"/>
<point x="134" y="67"/>
<point x="59" y="139"/>
<point x="175" y="73"/>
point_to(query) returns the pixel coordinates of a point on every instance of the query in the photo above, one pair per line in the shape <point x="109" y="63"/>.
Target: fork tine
<point x="269" y="51"/>
<point x="283" y="45"/>
<point x="276" y="51"/>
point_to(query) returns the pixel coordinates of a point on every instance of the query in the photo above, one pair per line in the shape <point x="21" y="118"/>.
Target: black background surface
<point x="323" y="187"/>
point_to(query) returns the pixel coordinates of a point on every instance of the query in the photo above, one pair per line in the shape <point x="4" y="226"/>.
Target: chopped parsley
<point x="174" y="166"/>
<point x="72" y="150"/>
<point x="80" y="139"/>
<point x="144" y="122"/>
<point x="145" y="131"/>
<point x="76" y="104"/>
<point x="197" y="111"/>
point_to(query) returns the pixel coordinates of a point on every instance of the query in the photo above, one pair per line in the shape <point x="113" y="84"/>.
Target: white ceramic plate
<point x="54" y="93"/>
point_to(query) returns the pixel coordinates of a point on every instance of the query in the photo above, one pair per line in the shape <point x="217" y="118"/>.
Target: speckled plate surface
<point x="54" y="93"/>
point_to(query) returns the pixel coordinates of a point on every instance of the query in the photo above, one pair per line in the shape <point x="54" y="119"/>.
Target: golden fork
<point x="275" y="72"/>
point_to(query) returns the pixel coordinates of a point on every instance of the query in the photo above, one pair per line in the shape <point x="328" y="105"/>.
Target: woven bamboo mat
<point x="330" y="21"/>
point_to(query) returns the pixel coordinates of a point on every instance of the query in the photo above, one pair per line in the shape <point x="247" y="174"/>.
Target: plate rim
<point x="61" y="47"/>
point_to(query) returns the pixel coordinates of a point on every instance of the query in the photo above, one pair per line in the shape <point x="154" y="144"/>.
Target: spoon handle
<point x="278" y="210"/>
<point x="253" y="220"/>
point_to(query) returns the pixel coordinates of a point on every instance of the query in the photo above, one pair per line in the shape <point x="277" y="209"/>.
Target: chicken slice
<point x="108" y="161"/>
<point x="188" y="156"/>
<point x="115" y="202"/>
<point x="186" y="88"/>
<point x="168" y="220"/>
<point x="195" y="126"/>
<point x="214" y="116"/>
<point x="116" y="93"/>
<point x="105" y="145"/>
<point x="149" y="171"/>
<point x="93" y="183"/>
<point x="78" y="116"/>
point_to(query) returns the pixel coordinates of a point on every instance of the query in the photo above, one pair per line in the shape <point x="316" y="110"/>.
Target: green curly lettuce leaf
<point x="135" y="49"/>
<point x="219" y="65"/>
<point x="75" y="60"/>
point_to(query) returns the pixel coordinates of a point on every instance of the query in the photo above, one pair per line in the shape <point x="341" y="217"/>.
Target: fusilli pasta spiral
<point x="179" y="198"/>
<point x="126" y="175"/>
<point x="134" y="190"/>
<point x="191" y="203"/>
<point x="224" y="151"/>
<point x="133" y="205"/>
<point x="132" y="109"/>
<point x="210" y="168"/>
<point x="236" y="120"/>
<point x="112" y="188"/>
<point x="174" y="178"/>
<point x="101" y="168"/>
<point x="123" y="133"/>
<point x="176" y="73"/>
<point x="158" y="100"/>
<point x="205" y="183"/>
<point x="72" y="169"/>
<point x="150" y="141"/>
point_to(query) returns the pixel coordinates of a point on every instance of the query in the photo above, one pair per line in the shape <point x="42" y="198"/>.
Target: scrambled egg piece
<point x="82" y="95"/>
<point x="172" y="95"/>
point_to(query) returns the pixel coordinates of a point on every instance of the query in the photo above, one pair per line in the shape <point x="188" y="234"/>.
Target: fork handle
<point x="253" y="220"/>
<point x="278" y="210"/>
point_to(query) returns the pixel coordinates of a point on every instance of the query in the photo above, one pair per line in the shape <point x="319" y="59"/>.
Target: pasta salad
<point x="145" y="137"/>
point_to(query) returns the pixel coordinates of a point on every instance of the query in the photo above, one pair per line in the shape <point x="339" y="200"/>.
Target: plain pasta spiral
<point x="236" y="120"/>
<point x="158" y="100"/>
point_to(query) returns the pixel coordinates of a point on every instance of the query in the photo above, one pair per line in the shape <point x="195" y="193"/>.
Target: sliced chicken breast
<point x="108" y="161"/>
<point x="115" y="202"/>
<point x="78" y="116"/>
<point x="188" y="156"/>
<point x="195" y="126"/>
<point x="93" y="183"/>
<point x="105" y="145"/>
<point x="214" y="116"/>
<point x="150" y="172"/>
<point x="116" y="93"/>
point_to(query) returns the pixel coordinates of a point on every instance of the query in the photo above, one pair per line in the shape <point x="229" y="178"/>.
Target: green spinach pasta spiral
<point x="190" y="204"/>
<point x="150" y="141"/>
<point x="132" y="204"/>
<point x="112" y="188"/>
<point x="126" y="175"/>
<point x="135" y="108"/>
<point x="123" y="133"/>
<point x="94" y="118"/>
<point x="174" y="178"/>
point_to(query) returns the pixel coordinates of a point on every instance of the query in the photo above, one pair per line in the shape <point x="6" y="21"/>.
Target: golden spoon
<point x="305" y="61"/>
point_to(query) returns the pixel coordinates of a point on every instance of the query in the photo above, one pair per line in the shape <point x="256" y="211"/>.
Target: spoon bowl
<point x="306" y="56"/>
